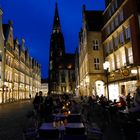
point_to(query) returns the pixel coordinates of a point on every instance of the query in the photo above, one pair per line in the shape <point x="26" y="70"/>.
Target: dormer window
<point x="96" y="63"/>
<point x="95" y="44"/>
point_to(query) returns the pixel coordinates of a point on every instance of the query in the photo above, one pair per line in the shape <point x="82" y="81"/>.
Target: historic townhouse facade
<point x="121" y="44"/>
<point x="35" y="78"/>
<point x="77" y="73"/>
<point x="20" y="74"/>
<point x="1" y="56"/>
<point x="91" y="54"/>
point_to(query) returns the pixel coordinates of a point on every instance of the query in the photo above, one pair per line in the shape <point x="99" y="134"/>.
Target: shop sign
<point x="125" y="72"/>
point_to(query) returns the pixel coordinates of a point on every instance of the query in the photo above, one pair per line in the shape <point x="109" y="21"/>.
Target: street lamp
<point x="106" y="68"/>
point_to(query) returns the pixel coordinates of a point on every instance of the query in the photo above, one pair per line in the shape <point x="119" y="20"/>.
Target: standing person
<point x="40" y="105"/>
<point x="40" y="97"/>
<point x="136" y="107"/>
<point x="128" y="100"/>
<point x="48" y="104"/>
<point x="36" y="102"/>
<point x="30" y="96"/>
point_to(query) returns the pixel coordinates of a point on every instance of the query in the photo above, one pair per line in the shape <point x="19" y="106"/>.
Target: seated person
<point x="122" y="104"/>
<point x="75" y="108"/>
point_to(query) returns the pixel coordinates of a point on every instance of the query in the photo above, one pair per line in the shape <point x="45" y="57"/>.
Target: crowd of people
<point x="53" y="104"/>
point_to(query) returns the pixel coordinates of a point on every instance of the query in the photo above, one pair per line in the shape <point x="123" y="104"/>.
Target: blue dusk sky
<point x="33" y="19"/>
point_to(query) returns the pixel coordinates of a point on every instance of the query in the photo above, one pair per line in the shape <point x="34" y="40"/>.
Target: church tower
<point x="61" y="64"/>
<point x="57" y="51"/>
<point x="57" y="40"/>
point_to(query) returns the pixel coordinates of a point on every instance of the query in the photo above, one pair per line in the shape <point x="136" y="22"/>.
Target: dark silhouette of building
<point x="61" y="64"/>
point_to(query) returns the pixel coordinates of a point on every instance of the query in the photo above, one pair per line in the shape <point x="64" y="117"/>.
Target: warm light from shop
<point x="134" y="71"/>
<point x="63" y="107"/>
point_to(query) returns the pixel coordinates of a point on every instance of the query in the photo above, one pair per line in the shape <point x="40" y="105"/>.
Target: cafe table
<point x="48" y="127"/>
<point x="75" y="125"/>
<point x="48" y="130"/>
<point x="51" y="126"/>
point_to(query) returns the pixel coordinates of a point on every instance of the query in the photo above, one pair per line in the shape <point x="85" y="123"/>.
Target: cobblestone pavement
<point x="13" y="119"/>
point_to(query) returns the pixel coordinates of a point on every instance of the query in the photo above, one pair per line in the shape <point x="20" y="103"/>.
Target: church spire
<point x="56" y="24"/>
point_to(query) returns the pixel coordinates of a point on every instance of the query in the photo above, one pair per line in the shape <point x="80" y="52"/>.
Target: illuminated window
<point x="64" y="88"/>
<point x="96" y="63"/>
<point x="127" y="32"/>
<point x="123" y="58"/>
<point x="16" y="77"/>
<point x="121" y="36"/>
<point x="116" y="42"/>
<point x="10" y="76"/>
<point x="130" y="55"/>
<point x="116" y="21"/>
<point x="108" y="29"/>
<point x="114" y="91"/>
<point x="118" y="61"/>
<point x="106" y="48"/>
<point x="112" y="64"/>
<point x="112" y="25"/>
<point x="111" y="45"/>
<point x="95" y="44"/>
<point x="121" y="18"/>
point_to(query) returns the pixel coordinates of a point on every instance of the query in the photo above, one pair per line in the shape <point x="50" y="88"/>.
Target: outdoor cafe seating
<point x="64" y="126"/>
